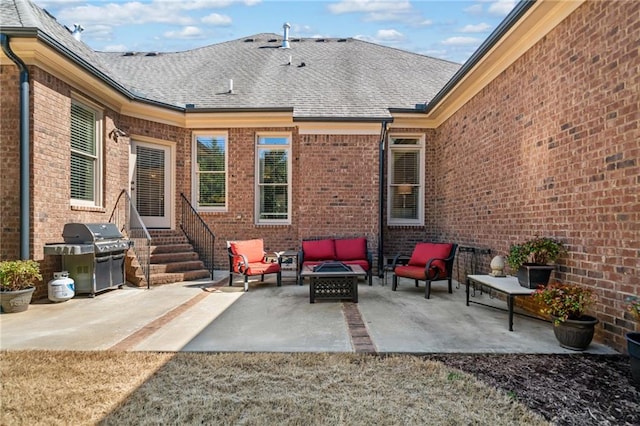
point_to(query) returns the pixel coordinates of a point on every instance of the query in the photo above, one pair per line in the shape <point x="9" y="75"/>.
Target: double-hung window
<point x="273" y="179"/>
<point x="86" y="155"/>
<point x="406" y="180"/>
<point x="210" y="171"/>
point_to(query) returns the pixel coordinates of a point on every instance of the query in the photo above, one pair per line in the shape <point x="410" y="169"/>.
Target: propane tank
<point x="61" y="287"/>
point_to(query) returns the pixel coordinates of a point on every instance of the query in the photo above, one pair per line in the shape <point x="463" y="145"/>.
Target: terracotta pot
<point x="576" y="334"/>
<point x="16" y="301"/>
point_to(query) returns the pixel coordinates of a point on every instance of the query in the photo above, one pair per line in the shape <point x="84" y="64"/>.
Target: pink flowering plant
<point x="564" y="301"/>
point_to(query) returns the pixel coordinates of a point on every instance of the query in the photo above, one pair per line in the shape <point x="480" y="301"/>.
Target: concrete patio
<point x="211" y="316"/>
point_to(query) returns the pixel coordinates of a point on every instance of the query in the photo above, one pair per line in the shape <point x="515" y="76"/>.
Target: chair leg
<point x="394" y="282"/>
<point x="246" y="283"/>
<point x="427" y="291"/>
<point x="279" y="279"/>
<point x="230" y="279"/>
<point x="416" y="283"/>
<point x="370" y="278"/>
<point x="450" y="288"/>
<point x="262" y="278"/>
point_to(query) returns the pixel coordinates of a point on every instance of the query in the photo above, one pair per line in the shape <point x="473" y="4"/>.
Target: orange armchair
<point x="428" y="262"/>
<point x="248" y="258"/>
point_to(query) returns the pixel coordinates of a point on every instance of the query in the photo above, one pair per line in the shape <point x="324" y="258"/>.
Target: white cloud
<point x="351" y="6"/>
<point x="389" y="35"/>
<point x="185" y="33"/>
<point x="501" y="7"/>
<point x="116" y="14"/>
<point x="460" y="41"/>
<point x="478" y="28"/>
<point x="115" y="48"/>
<point x="476" y="9"/>
<point x="217" y="19"/>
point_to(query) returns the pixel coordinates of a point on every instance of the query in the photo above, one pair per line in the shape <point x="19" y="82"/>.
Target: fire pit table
<point x="333" y="280"/>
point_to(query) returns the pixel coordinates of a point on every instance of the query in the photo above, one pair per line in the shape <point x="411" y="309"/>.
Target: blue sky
<point x="449" y="30"/>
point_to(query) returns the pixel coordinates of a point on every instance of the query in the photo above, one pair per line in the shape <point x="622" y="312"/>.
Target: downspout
<point x="25" y="226"/>
<point x="383" y="137"/>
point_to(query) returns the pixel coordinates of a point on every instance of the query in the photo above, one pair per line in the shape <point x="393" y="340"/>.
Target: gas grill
<point x="93" y="254"/>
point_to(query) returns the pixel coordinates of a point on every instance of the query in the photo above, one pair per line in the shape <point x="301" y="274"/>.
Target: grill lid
<point x="83" y="233"/>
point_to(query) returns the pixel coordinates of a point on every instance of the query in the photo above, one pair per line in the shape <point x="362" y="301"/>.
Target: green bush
<point x="539" y="251"/>
<point x="19" y="274"/>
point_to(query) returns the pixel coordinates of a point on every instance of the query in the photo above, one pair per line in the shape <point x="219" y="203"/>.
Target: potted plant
<point x="17" y="284"/>
<point x="566" y="304"/>
<point x="633" y="339"/>
<point x="532" y="260"/>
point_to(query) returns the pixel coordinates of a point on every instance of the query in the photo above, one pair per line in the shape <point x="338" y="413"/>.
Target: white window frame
<point x="195" y="178"/>
<point x="420" y="147"/>
<point x="286" y="148"/>
<point x="98" y="183"/>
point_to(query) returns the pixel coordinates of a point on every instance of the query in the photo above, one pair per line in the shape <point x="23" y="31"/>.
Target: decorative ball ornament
<point x="497" y="267"/>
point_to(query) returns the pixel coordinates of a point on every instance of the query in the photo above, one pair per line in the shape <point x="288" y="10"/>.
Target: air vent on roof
<point x="152" y="54"/>
<point x="320" y="40"/>
<point x="285" y="39"/>
<point x="249" y="40"/>
<point x="296" y="40"/>
<point x="273" y="40"/>
<point x="129" y="54"/>
<point x="342" y="40"/>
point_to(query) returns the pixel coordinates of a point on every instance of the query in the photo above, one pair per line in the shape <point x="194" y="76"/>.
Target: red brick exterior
<point x="550" y="147"/>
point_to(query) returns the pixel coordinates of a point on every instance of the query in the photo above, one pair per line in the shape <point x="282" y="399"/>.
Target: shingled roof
<point x="327" y="79"/>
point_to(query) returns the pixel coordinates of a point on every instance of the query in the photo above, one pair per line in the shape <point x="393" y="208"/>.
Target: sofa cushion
<point x="318" y="250"/>
<point x="351" y="249"/>
<point x="425" y="251"/>
<point x="252" y="249"/>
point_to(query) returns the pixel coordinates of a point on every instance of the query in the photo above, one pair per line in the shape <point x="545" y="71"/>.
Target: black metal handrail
<point x="131" y="224"/>
<point x="198" y="233"/>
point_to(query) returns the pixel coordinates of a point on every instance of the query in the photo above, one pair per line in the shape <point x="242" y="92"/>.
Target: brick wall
<point x="335" y="191"/>
<point x="551" y="147"/>
<point x="9" y="159"/>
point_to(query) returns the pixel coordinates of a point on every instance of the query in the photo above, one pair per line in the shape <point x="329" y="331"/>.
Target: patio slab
<point x="203" y="316"/>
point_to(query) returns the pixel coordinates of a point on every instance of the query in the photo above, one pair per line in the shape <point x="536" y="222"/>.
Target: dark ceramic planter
<point x="533" y="276"/>
<point x="633" y="347"/>
<point x="576" y="334"/>
<point x="16" y="301"/>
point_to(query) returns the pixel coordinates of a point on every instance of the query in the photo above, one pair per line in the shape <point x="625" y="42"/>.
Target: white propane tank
<point x="61" y="287"/>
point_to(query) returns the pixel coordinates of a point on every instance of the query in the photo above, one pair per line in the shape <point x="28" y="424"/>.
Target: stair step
<point x="175" y="277"/>
<point x="157" y="268"/>
<point x="173" y="257"/>
<point x="171" y="248"/>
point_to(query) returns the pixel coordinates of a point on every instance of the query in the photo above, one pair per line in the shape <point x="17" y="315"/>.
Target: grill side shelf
<point x="68" y="249"/>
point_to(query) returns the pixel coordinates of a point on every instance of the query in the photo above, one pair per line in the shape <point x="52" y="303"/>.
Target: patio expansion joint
<point x="360" y="339"/>
<point x="143" y="333"/>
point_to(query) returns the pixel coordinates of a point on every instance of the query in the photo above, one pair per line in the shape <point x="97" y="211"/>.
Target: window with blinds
<point x="85" y="155"/>
<point x="405" y="186"/>
<point x="273" y="171"/>
<point x="211" y="171"/>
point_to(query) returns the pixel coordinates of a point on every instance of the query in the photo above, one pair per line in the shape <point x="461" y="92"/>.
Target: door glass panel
<point x="150" y="178"/>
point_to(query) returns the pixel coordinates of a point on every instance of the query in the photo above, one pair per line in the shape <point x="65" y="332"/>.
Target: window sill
<point x="89" y="209"/>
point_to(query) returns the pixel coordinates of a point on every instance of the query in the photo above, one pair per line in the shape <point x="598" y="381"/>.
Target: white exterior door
<point x="151" y="189"/>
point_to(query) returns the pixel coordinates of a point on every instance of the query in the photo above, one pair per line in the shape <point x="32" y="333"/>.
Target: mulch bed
<point x="580" y="389"/>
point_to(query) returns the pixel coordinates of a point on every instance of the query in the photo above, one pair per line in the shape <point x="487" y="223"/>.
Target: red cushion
<point x="252" y="249"/>
<point x="351" y="249"/>
<point x="363" y="263"/>
<point x="261" y="268"/>
<point x="318" y="250"/>
<point x="418" y="273"/>
<point x="425" y="251"/>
